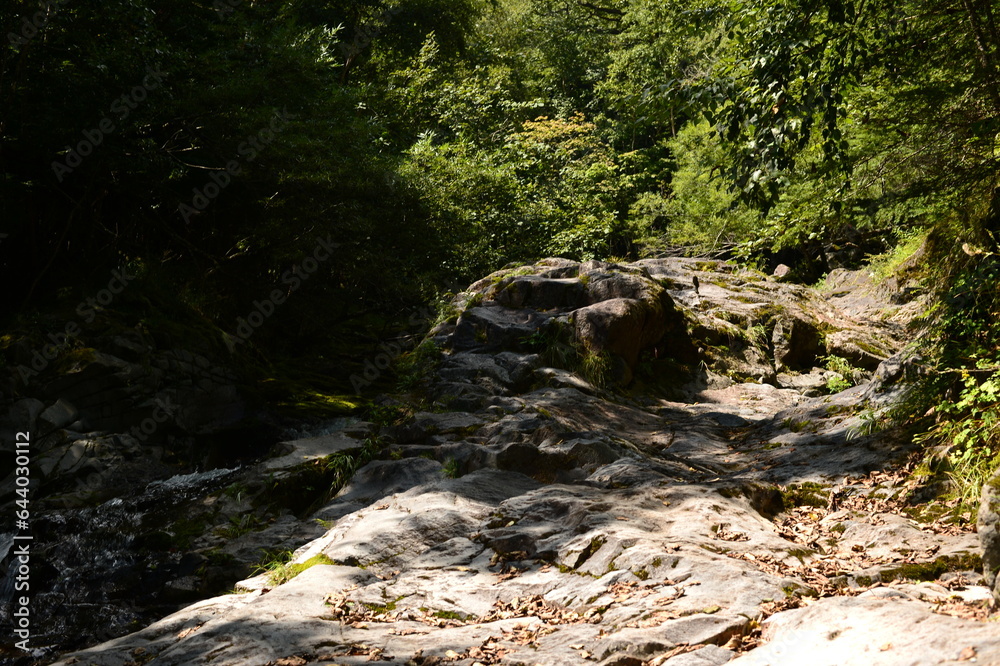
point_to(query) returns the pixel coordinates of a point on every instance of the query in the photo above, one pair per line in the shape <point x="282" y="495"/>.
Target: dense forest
<point x="168" y="162"/>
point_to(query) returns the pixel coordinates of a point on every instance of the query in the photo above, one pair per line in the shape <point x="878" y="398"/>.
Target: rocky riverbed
<point x="608" y="464"/>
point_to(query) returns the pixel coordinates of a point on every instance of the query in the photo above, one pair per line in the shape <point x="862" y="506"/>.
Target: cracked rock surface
<point x="694" y="503"/>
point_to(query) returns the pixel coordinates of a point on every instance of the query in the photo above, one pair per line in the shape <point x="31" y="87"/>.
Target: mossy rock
<point x="927" y="571"/>
<point x="806" y="494"/>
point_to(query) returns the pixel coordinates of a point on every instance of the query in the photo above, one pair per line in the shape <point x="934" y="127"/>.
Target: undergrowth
<point x="955" y="400"/>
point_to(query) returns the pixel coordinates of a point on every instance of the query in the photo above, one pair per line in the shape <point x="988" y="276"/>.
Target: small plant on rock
<point x="452" y="469"/>
<point x="596" y="368"/>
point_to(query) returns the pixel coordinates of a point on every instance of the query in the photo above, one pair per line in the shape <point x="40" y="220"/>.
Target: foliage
<point x="452" y="469"/>
<point x="596" y="368"/>
<point x="439" y="140"/>
<point x="850" y="375"/>
<point x="417" y="366"/>
<point x="279" y="568"/>
<point x="963" y="389"/>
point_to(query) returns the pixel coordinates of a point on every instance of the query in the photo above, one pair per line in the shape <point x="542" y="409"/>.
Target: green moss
<point x="657" y="561"/>
<point x="795" y="591"/>
<point x="796" y="426"/>
<point x="863" y="581"/>
<point x="840" y="528"/>
<point x="75" y="359"/>
<point x="449" y="615"/>
<point x="299" y="397"/>
<point x="380" y="609"/>
<point x="641" y="574"/>
<point x="933" y="570"/>
<point x="801" y="554"/>
<point x="805" y="494"/>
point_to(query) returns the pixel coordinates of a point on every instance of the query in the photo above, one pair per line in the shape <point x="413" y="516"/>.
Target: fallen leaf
<point x="291" y="661"/>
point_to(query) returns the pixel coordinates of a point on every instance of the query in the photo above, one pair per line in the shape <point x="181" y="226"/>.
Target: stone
<point x="865" y="632"/>
<point x="58" y="415"/>
<point x="620" y="326"/>
<point x="988" y="526"/>
<point x="540" y="293"/>
<point x="23" y="415"/>
<point x="520" y="496"/>
<point x="797" y="344"/>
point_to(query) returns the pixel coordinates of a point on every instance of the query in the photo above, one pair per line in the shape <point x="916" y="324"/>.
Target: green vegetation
<point x="276" y="165"/>
<point x="846" y="377"/>
<point x="280" y="570"/>
<point x="596" y="368"/>
<point x="452" y="469"/>
<point x="418" y="365"/>
<point x="934" y="570"/>
<point x="805" y="494"/>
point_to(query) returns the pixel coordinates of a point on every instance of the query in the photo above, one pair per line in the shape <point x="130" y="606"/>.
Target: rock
<point x="781" y="271"/>
<point x="797" y="344"/>
<point x="23" y="415"/>
<point x="813" y="383"/>
<point x="311" y="449"/>
<point x="539" y="293"/>
<point x="862" y="351"/>
<point x="710" y="655"/>
<point x="58" y="415"/>
<point x="620" y="326"/>
<point x="555" y="522"/>
<point x="864" y="632"/>
<point x="988" y="526"/>
<point x="493" y="327"/>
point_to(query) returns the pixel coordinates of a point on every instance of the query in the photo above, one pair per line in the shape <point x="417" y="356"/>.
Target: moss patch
<point x="805" y="494"/>
<point x="934" y="570"/>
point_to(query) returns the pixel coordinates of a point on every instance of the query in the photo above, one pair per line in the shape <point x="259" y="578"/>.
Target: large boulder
<point x="797" y="343"/>
<point x="989" y="532"/>
<point x="621" y="326"/>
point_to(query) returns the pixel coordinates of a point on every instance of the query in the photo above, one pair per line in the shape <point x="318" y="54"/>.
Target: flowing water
<point x="103" y="571"/>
